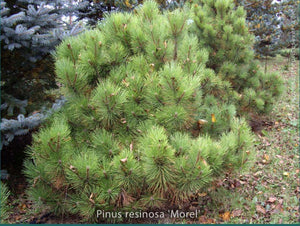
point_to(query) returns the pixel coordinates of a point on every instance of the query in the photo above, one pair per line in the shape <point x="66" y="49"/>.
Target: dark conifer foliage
<point x="30" y="30"/>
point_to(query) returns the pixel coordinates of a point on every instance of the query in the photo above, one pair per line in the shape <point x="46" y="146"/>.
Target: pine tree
<point x="264" y="22"/>
<point x="146" y="91"/>
<point x="289" y="28"/>
<point x="142" y="126"/>
<point x="223" y="30"/>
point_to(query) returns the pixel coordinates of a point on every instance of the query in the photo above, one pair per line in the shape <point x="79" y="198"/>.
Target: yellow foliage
<point x="213" y="118"/>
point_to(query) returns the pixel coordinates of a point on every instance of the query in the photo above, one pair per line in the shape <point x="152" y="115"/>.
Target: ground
<point x="266" y="192"/>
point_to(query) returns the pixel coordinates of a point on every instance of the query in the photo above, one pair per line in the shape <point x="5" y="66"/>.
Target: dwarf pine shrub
<point x="224" y="33"/>
<point x="146" y="122"/>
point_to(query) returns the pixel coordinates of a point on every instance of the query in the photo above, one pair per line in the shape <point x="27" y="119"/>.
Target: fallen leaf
<point x="18" y="218"/>
<point x="203" y="220"/>
<point x="260" y="209"/>
<point x="258" y="173"/>
<point x="278" y="208"/>
<point x="236" y="213"/>
<point x="225" y="216"/>
<point x="272" y="199"/>
<point x="267" y="157"/>
<point x="202" y="194"/>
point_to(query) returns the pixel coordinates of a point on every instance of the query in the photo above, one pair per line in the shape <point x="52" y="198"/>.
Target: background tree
<point x="224" y="32"/>
<point x="289" y="28"/>
<point x="30" y="30"/>
<point x="267" y="20"/>
<point x="92" y="11"/>
<point x="28" y="37"/>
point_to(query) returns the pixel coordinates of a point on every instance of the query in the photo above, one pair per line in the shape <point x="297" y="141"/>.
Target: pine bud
<point x="109" y="191"/>
<point x="72" y="168"/>
<point x="123" y="160"/>
<point x="100" y="43"/>
<point x="176" y="114"/>
<point x="69" y="46"/>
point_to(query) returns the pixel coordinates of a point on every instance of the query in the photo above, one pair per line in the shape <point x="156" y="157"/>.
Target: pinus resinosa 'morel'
<point x="139" y="94"/>
<point x="223" y="31"/>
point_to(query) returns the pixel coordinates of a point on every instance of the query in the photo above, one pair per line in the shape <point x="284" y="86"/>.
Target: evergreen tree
<point x="93" y="11"/>
<point x="28" y="37"/>
<point x="223" y="30"/>
<point x="139" y="128"/>
<point x="264" y="22"/>
<point x="289" y="28"/>
<point x="30" y="30"/>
